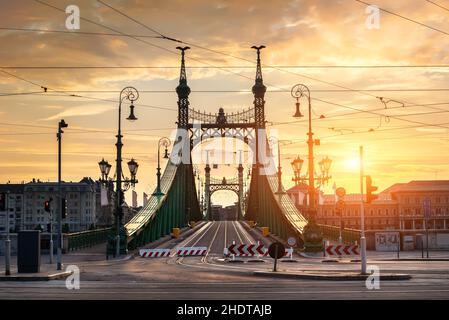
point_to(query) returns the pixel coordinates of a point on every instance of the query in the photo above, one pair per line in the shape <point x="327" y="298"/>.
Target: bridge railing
<point x="85" y="239"/>
<point x="333" y="233"/>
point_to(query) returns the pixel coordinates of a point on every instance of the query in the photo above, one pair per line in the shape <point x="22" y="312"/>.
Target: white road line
<point x="238" y="235"/>
<point x="212" y="223"/>
<point x="200" y="233"/>
<point x="226" y="235"/>
<point x="244" y="232"/>
<point x="212" y="242"/>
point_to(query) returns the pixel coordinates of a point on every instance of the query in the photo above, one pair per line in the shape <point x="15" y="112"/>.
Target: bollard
<point x="176" y="233"/>
<point x="265" y="231"/>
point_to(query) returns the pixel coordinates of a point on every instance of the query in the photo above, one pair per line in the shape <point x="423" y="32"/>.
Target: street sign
<point x="276" y="251"/>
<point x="291" y="241"/>
<point x="426" y="208"/>
<point x="340" y="192"/>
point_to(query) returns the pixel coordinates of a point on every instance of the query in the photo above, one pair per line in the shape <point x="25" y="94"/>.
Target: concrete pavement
<point x="212" y="277"/>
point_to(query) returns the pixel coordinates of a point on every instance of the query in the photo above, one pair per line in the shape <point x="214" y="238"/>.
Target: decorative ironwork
<point x="243" y="117"/>
<point x="183" y="91"/>
<point x="224" y="180"/>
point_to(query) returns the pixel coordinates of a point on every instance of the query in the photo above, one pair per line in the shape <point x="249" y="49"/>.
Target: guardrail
<point x="333" y="233"/>
<point x="86" y="239"/>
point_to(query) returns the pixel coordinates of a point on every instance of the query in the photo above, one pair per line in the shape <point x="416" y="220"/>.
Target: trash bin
<point x="29" y="251"/>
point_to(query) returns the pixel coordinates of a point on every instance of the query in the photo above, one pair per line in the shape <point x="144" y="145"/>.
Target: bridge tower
<point x="258" y="90"/>
<point x="190" y="200"/>
<point x="240" y="179"/>
<point x="207" y="188"/>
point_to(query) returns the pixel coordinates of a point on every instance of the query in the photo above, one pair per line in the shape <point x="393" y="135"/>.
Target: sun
<point x="352" y="164"/>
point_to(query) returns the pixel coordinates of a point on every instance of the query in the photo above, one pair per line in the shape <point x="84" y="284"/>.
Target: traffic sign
<point x="291" y="241"/>
<point x="276" y="250"/>
<point x="340" y="249"/>
<point x="340" y="192"/>
<point x="426" y="208"/>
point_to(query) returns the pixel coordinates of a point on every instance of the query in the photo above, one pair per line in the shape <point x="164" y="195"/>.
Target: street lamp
<point x="312" y="233"/>
<point x="297" y="165"/>
<point x="165" y="142"/>
<point x="131" y="94"/>
<point x="278" y="142"/>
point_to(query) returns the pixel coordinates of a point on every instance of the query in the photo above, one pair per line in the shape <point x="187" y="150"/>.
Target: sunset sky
<point x="311" y="37"/>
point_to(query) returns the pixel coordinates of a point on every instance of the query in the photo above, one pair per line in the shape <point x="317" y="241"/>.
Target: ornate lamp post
<point x="131" y="94"/>
<point x="273" y="140"/>
<point x="165" y="142"/>
<point x="312" y="233"/>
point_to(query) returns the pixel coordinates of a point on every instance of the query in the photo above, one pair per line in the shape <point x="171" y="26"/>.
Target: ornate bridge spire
<point x="259" y="88"/>
<point x="183" y="92"/>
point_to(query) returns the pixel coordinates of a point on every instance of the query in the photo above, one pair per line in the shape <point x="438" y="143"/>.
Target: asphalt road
<point x="210" y="277"/>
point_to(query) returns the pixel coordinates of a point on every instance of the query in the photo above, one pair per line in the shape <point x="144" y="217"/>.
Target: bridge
<point x="179" y="203"/>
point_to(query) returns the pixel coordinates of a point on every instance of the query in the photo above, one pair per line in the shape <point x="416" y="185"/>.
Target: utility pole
<point x="62" y="124"/>
<point x="8" y="240"/>
<point x="51" y="237"/>
<point x="362" y="218"/>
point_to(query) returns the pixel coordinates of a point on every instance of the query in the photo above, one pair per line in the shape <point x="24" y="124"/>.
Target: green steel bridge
<point x="265" y="203"/>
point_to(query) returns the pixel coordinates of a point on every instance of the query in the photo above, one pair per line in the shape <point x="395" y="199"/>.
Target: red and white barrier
<point x="191" y="251"/>
<point x="251" y="250"/>
<point x="154" y="253"/>
<point x="341" y="250"/>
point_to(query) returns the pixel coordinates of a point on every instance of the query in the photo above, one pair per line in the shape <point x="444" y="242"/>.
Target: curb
<point x="48" y="277"/>
<point x="334" y="277"/>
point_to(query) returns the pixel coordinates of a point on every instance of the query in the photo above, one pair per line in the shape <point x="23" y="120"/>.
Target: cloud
<point x="80" y="111"/>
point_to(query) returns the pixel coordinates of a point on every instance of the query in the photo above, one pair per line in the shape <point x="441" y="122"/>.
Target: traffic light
<point x="2" y="201"/>
<point x="63" y="208"/>
<point x="47" y="206"/>
<point x="369" y="190"/>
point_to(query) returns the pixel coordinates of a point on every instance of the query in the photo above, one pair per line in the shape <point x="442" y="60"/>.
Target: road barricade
<point x="191" y="251"/>
<point x="251" y="250"/>
<point x="154" y="253"/>
<point x="342" y="250"/>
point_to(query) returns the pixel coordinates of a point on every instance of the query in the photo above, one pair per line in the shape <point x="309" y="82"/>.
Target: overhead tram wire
<point x="172" y="39"/>
<point x="74" y="32"/>
<point x="141" y="40"/>
<point x="438" y="5"/>
<point x="405" y="18"/>
<point x="236" y="57"/>
<point x="332" y="117"/>
<point x="245" y="91"/>
<point x="65" y="93"/>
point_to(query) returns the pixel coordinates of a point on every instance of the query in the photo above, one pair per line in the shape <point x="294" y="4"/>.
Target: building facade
<point x="399" y="207"/>
<point x="13" y="205"/>
<point x="81" y="202"/>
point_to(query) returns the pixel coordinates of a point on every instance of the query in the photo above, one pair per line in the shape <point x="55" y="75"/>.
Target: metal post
<point x="51" y="237"/>
<point x="399" y="244"/>
<point x="8" y="240"/>
<point x="276" y="258"/>
<point x="427" y="239"/>
<point x="340" y="238"/>
<point x="158" y="174"/>
<point x="362" y="218"/>
<point x="61" y="124"/>
<point x="118" y="187"/>
<point x="422" y="247"/>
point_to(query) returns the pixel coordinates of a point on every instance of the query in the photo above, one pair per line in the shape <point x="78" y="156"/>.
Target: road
<point x="210" y="277"/>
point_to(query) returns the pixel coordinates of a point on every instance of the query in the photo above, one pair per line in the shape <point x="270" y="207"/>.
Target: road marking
<point x="238" y="235"/>
<point x="212" y="242"/>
